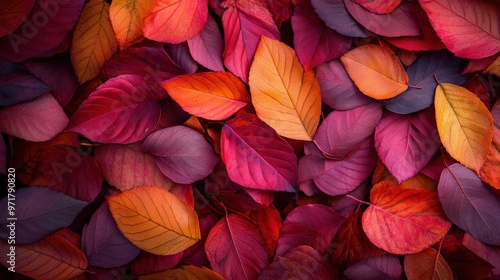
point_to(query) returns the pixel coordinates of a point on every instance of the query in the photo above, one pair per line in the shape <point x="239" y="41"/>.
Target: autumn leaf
<point x="378" y="267"/>
<point x="490" y="171"/>
<point x="155" y="220"/>
<point x="291" y="106"/>
<point x="127" y="19"/>
<point x="428" y="264"/>
<point x="93" y="41"/>
<point x="186" y="272"/>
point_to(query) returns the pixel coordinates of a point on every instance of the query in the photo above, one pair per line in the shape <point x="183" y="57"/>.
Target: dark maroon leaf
<point x="375" y="268"/>
<point x="335" y="15"/>
<point x="14" y="14"/>
<point x="20" y="87"/>
<point x="3" y="156"/>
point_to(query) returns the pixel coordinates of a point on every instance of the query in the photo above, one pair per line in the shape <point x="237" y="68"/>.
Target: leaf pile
<point x="251" y="139"/>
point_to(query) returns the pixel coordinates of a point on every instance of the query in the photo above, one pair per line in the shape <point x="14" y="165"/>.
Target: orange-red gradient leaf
<point x="51" y="258"/>
<point x="127" y="18"/>
<point x="404" y="221"/>
<point x="210" y="95"/>
<point x="427" y="265"/>
<point x="187" y="272"/>
<point x="93" y="40"/>
<point x="490" y="171"/>
<point x="285" y="96"/>
<point x="155" y="220"/>
<point x="464" y="124"/>
<point x="175" y="21"/>
<point x="376" y="71"/>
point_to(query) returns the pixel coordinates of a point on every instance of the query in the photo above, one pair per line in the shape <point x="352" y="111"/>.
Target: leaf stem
<point x="417" y="87"/>
<point x="356" y="199"/>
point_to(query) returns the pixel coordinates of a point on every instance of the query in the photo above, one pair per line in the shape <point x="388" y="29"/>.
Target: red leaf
<point x="15" y="13"/>
<point x="269" y="222"/>
<point x="207" y="46"/>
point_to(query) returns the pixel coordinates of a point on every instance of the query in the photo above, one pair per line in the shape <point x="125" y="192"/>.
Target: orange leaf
<point x="52" y="257"/>
<point x="284" y="96"/>
<point x="127" y="18"/>
<point x="490" y="171"/>
<point x="427" y="265"/>
<point x="210" y="95"/>
<point x="155" y="220"/>
<point x="187" y="272"/>
<point x="494" y="67"/>
<point x="93" y="40"/>
<point x="464" y="124"/>
<point x="404" y="221"/>
<point x="376" y="71"/>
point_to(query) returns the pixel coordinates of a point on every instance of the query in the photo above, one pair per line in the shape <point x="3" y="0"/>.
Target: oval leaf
<point x="404" y="221"/>
<point x="464" y="124"/>
<point x="207" y="46"/>
<point x="378" y="267"/>
<point x="428" y="264"/>
<point x="155" y="220"/>
<point x="285" y="96"/>
<point x="376" y="71"/>
<point x="187" y="272"/>
<point x="127" y="19"/>
<point x="210" y="95"/>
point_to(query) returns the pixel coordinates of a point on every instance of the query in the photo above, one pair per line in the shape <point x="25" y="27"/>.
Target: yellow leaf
<point x="464" y="124"/>
<point x="187" y="272"/>
<point x="93" y="40"/>
<point x="376" y="71"/>
<point x="127" y="18"/>
<point x="155" y="220"/>
<point x="284" y="96"/>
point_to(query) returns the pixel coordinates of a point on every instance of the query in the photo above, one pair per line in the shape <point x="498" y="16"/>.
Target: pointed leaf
<point x="256" y="157"/>
<point x="175" y="21"/>
<point x="285" y="96"/>
<point x="210" y="95"/>
<point x="236" y="249"/>
<point x="335" y="15"/>
<point x="93" y="40"/>
<point x="490" y="171"/>
<point x="376" y="71"/>
<point x="428" y="264"/>
<point x="127" y="19"/>
<point x="155" y="220"/>
<point x="269" y="222"/>
<point x="181" y="56"/>
<point x="464" y="124"/>
<point x="207" y="46"/>
<point x="470" y="204"/>
<point x="20" y="87"/>
<point x="378" y="267"/>
<point x="187" y="272"/>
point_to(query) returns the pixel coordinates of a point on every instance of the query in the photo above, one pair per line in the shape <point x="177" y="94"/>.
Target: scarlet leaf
<point x="17" y="13"/>
<point x="468" y="28"/>
<point x="175" y="21"/>
<point x="187" y="272"/>
<point x="335" y="15"/>
<point x="376" y="71"/>
<point x="207" y="46"/>
<point x="155" y="220"/>
<point x="464" y="124"/>
<point x="93" y="40"/>
<point x="293" y="106"/>
<point x="37" y="120"/>
<point x="127" y="19"/>
<point x="404" y="221"/>
<point x="256" y="157"/>
<point x="236" y="249"/>
<point x="52" y="258"/>
<point x="470" y="204"/>
<point x="378" y="267"/>
<point x="428" y="264"/>
<point x="210" y="95"/>
<point x="268" y="220"/>
<point x="181" y="153"/>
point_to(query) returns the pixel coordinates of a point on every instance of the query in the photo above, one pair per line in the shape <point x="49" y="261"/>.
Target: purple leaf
<point x="314" y="225"/>
<point x="335" y="15"/>
<point x="470" y="204"/>
<point x="336" y="177"/>
<point x="20" y="87"/>
<point x="207" y="47"/>
<point x="346" y="205"/>
<point x="181" y="153"/>
<point x="375" y="268"/>
<point x="343" y="131"/>
<point x="104" y="244"/>
<point x="256" y="156"/>
<point x="314" y="42"/>
<point x="45" y="28"/>
<point x="337" y="89"/>
<point x="422" y="74"/>
<point x="181" y="56"/>
<point x="406" y="143"/>
<point x="39" y="212"/>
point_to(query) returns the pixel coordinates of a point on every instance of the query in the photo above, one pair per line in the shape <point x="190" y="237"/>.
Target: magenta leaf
<point x="342" y="131"/>
<point x="181" y="153"/>
<point x="103" y="243"/>
<point x="236" y="248"/>
<point x="122" y="110"/>
<point x="207" y="47"/>
<point x="20" y="87"/>
<point x="406" y="143"/>
<point x="36" y="120"/>
<point x="337" y="89"/>
<point x="378" y="267"/>
<point x="470" y="204"/>
<point x="314" y="42"/>
<point x="39" y="212"/>
<point x="256" y="156"/>
<point x="335" y="15"/>
<point x="314" y="225"/>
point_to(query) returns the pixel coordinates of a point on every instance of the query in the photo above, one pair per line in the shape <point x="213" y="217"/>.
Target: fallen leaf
<point x="377" y="267"/>
<point x="127" y="19"/>
<point x="428" y="264"/>
<point x="186" y="272"/>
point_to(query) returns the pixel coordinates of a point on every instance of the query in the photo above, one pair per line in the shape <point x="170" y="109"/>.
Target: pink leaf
<point x="207" y="47"/>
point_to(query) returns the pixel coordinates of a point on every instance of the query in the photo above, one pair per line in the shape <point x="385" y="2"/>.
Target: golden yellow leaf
<point x="93" y="40"/>
<point x="155" y="220"/>
<point x="464" y="124"/>
<point x="376" y="71"/>
<point x="284" y="96"/>
<point x="187" y="272"/>
<point x="127" y="18"/>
